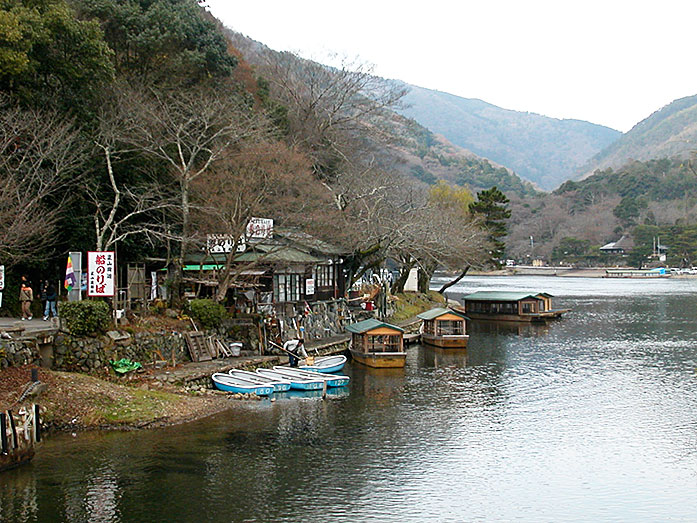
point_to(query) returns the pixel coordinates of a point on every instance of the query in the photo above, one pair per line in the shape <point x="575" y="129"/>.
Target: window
<point x="324" y="276"/>
<point x="286" y="287"/>
<point x="450" y="328"/>
<point x="384" y="343"/>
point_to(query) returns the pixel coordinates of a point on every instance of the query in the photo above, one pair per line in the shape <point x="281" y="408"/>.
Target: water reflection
<point x="439" y="357"/>
<point x="589" y="418"/>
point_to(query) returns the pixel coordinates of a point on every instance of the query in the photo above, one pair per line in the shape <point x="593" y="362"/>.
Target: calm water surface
<point x="591" y="418"/>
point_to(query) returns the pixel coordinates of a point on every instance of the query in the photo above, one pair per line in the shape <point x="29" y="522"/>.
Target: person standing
<point x="26" y="296"/>
<point x="51" y="298"/>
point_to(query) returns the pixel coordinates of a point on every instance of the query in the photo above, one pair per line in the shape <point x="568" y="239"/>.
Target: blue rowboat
<point x="332" y="379"/>
<point x="327" y="364"/>
<point x="278" y="385"/>
<point x="232" y="384"/>
<point x="296" y="382"/>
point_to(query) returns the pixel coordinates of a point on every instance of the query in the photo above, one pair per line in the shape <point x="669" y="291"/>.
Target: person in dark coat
<point x="51" y="299"/>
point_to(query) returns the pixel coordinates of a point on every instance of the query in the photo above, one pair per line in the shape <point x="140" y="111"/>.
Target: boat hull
<point x="332" y="381"/>
<point x="326" y="369"/>
<point x="455" y="342"/>
<point x="538" y="317"/>
<point x="297" y="384"/>
<point x="278" y="386"/>
<point x="226" y="383"/>
<point x="380" y="360"/>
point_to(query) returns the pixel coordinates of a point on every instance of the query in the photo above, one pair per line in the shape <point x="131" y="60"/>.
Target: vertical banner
<point x="74" y="268"/>
<point x="2" y="277"/>
<point x="101" y="271"/>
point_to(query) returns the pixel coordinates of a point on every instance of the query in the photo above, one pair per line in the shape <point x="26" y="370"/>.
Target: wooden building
<point x="377" y="344"/>
<point x="444" y="327"/>
<point x="510" y="306"/>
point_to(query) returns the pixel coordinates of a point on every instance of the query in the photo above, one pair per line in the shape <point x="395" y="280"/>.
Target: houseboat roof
<point x="503" y="296"/>
<point x="368" y="325"/>
<point x="437" y="312"/>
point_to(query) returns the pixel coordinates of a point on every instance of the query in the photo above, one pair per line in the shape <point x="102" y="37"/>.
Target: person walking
<point x="26" y="296"/>
<point x="51" y="298"/>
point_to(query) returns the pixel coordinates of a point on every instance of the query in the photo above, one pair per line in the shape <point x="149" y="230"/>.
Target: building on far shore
<point x="622" y="246"/>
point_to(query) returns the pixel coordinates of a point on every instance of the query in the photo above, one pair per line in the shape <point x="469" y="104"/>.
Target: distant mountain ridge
<point x="669" y="132"/>
<point x="543" y="150"/>
<point x="410" y="148"/>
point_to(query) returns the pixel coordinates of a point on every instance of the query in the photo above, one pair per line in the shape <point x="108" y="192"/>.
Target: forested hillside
<point x="138" y="125"/>
<point x="669" y="132"/>
<point x="656" y="195"/>
<point x="403" y="144"/>
<point x="543" y="150"/>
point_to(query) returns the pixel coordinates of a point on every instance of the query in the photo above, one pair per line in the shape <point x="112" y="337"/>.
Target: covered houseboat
<point x="510" y="306"/>
<point x="444" y="327"/>
<point x="377" y="344"/>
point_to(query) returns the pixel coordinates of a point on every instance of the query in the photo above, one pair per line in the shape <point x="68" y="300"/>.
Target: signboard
<point x="2" y="277"/>
<point x="222" y="243"/>
<point x="309" y="286"/>
<point x="260" y="228"/>
<point x="101" y="270"/>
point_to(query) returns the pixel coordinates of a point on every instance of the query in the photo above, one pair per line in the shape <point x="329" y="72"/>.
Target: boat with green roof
<point x="511" y="306"/>
<point x="377" y="344"/>
<point x="444" y="327"/>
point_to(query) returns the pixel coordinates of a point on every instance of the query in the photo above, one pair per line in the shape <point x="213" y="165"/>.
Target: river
<point x="590" y="418"/>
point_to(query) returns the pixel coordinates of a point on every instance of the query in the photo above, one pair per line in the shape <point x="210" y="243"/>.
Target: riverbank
<point x="567" y="272"/>
<point x="158" y="396"/>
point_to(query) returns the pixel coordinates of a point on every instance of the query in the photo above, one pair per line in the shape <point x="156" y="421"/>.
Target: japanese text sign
<point x="101" y="270"/>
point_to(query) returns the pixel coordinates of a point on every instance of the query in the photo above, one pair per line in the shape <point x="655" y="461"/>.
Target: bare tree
<point x="263" y="178"/>
<point x="190" y="132"/>
<point x="40" y="156"/>
<point x="122" y="215"/>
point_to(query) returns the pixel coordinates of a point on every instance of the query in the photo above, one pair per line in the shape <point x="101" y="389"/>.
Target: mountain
<point x="669" y="132"/>
<point x="405" y="146"/>
<point x="543" y="150"/>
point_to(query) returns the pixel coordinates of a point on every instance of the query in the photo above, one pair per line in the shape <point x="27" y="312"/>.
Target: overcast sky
<point x="611" y="62"/>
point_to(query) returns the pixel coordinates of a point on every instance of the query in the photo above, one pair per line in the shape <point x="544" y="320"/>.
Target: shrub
<point x="209" y="313"/>
<point x="86" y="317"/>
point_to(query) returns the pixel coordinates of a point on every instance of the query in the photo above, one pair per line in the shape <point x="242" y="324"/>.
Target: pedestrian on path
<point x="51" y="298"/>
<point x="26" y="296"/>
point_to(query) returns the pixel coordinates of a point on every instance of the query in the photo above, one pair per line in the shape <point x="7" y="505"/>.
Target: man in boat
<point x="296" y="350"/>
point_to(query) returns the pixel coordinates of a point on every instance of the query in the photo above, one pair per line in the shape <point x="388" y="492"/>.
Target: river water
<point x="591" y="418"/>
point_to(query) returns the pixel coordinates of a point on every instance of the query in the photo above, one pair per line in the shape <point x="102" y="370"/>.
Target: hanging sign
<point x="2" y="277"/>
<point x="309" y="286"/>
<point x="260" y="228"/>
<point x="101" y="268"/>
<point x="222" y="243"/>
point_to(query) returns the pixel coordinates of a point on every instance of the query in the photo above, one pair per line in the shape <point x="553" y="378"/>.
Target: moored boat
<point x="377" y="344"/>
<point x="444" y="327"/>
<point x="332" y="380"/>
<point x="296" y="383"/>
<point x="511" y="306"/>
<point x="229" y="383"/>
<point x="278" y="385"/>
<point x="327" y="364"/>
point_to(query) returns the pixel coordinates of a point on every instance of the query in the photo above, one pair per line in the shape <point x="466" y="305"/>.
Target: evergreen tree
<point x="492" y="206"/>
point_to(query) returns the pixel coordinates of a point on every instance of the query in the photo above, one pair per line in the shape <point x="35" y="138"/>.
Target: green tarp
<point x="124" y="365"/>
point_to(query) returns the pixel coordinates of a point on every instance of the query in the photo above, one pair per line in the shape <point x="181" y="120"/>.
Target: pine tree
<point x="492" y="206"/>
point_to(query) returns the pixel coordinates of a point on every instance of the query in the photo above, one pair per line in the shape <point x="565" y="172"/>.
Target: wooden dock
<point x="19" y="434"/>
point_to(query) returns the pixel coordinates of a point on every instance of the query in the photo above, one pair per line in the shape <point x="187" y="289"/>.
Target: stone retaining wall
<point x="81" y="354"/>
<point x="15" y="353"/>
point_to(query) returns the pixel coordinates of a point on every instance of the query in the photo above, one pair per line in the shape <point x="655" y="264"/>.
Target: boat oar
<point x="309" y="360"/>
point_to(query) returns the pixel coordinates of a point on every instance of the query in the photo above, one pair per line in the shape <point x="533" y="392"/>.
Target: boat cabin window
<point x="384" y="343"/>
<point x="429" y="327"/>
<point x="450" y="328"/>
